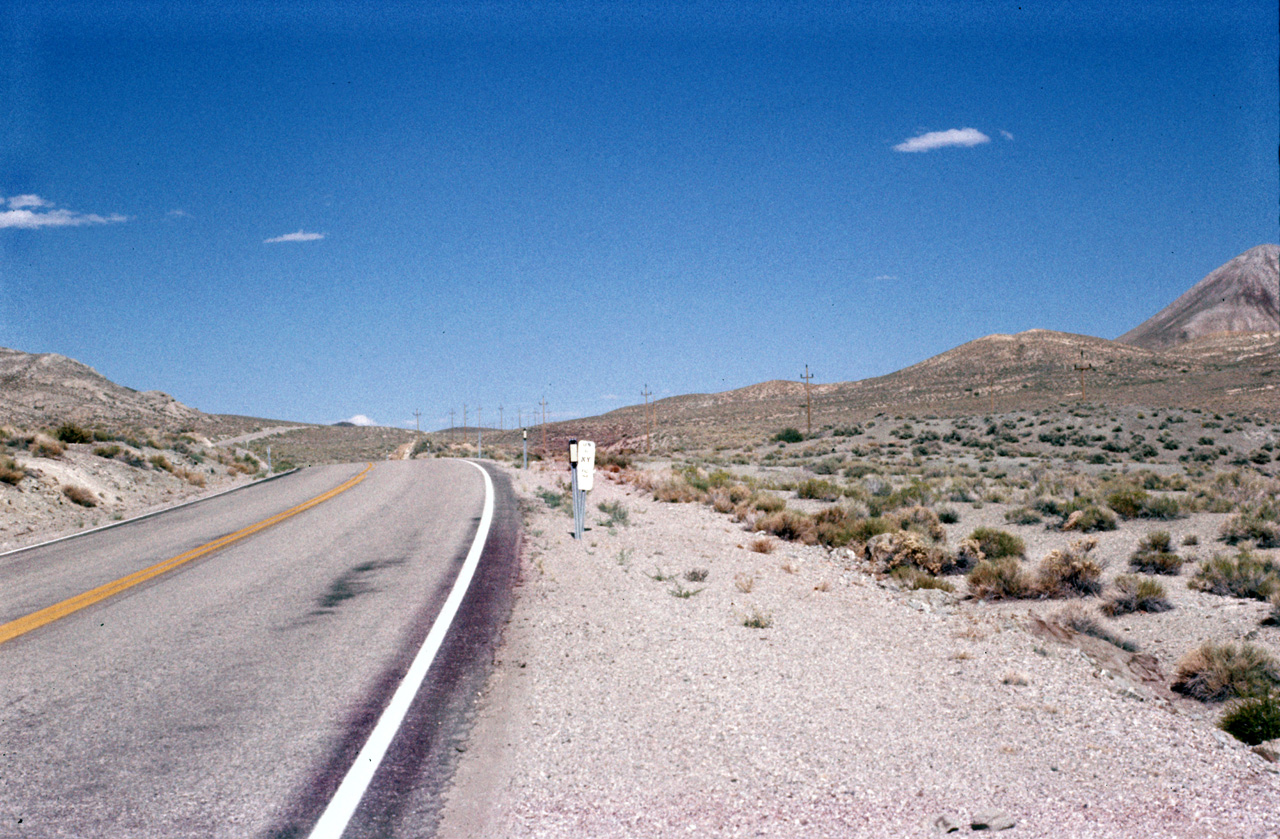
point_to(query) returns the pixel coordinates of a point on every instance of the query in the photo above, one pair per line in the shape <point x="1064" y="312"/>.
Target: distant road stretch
<point x="227" y="691"/>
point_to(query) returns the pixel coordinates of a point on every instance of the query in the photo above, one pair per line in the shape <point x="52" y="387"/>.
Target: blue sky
<point x="313" y="211"/>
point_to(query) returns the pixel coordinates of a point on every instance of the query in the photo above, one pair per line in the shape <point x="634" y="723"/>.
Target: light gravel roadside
<point x="618" y="709"/>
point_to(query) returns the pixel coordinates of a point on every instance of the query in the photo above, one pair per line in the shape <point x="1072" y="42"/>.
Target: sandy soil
<point x="617" y="708"/>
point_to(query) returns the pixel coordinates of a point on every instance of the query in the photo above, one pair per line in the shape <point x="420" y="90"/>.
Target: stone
<point x="992" y="819"/>
<point x="946" y="823"/>
<point x="1268" y="751"/>
<point x="1073" y="520"/>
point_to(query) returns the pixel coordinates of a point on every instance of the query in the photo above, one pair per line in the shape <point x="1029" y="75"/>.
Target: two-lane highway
<point x="228" y="696"/>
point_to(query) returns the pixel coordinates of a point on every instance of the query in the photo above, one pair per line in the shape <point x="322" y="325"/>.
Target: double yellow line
<point x="57" y="611"/>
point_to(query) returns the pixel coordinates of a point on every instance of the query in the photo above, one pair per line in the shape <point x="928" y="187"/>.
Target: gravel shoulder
<point x="616" y="708"/>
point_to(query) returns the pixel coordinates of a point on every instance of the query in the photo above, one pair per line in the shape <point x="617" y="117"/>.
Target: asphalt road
<point x="228" y="697"/>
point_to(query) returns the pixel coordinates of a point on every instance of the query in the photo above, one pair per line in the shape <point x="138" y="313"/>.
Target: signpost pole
<point x="524" y="439"/>
<point x="577" y="500"/>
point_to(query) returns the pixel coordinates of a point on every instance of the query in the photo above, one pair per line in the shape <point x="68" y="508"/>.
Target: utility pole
<point x="452" y="425"/>
<point x="464" y="420"/>
<point x="808" y="405"/>
<point x="417" y="420"/>
<point x="479" y="433"/>
<point x="646" y="393"/>
<point x="500" y="418"/>
<point x="1082" y="367"/>
<point x="544" y="426"/>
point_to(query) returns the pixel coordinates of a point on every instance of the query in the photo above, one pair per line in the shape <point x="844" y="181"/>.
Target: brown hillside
<point x="1240" y="296"/>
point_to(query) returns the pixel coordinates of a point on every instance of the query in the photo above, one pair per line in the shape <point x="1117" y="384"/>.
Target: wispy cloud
<point x="940" y="139"/>
<point x="1005" y="134"/>
<point x="887" y="277"/>
<point x="178" y="214"/>
<point x="32" y="211"/>
<point x="295" y="237"/>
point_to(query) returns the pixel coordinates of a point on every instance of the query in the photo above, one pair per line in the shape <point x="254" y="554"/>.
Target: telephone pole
<point x="417" y="420"/>
<point x="544" y="426"/>
<point x="648" y="445"/>
<point x="464" y="420"/>
<point x="1082" y="367"/>
<point x="452" y="425"/>
<point x="500" y="418"/>
<point x="808" y="404"/>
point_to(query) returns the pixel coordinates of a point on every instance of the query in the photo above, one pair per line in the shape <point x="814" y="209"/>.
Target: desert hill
<point x="1240" y="296"/>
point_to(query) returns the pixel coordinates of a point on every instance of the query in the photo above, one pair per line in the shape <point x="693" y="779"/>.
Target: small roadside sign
<point x="586" y="464"/>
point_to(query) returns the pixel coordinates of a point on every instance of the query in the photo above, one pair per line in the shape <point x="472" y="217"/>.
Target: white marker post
<point x="524" y="438"/>
<point x="582" y="465"/>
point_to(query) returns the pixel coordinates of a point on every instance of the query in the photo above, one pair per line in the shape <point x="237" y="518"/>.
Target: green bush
<point x="1254" y="720"/>
<point x="107" y="451"/>
<point x="788" y="435"/>
<point x="616" y="511"/>
<point x="1022" y="515"/>
<point x="71" y="433"/>
<point x="1242" y="575"/>
<point x="948" y="515"/>
<point x="818" y="489"/>
<point x="998" y="543"/>
<point x="1127" y="501"/>
<point x="1135" y="593"/>
<point x="1153" y="555"/>
<point x="1258" y="525"/>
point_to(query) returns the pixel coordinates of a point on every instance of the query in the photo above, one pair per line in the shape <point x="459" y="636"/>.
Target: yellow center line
<point x="48" y="615"/>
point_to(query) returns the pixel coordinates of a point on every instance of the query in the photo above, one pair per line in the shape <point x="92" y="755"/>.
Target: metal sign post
<point x="582" y="463"/>
<point x="524" y="438"/>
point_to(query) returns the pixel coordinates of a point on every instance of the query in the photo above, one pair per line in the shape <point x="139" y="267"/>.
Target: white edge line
<point x="151" y="514"/>
<point x="333" y="821"/>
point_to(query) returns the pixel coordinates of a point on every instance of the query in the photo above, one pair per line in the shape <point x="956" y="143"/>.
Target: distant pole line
<point x="520" y="417"/>
<point x="452" y="425"/>
<point x="417" y="420"/>
<point x="808" y="405"/>
<point x="1082" y="367"/>
<point x="500" y="418"/>
<point x="544" y="426"/>
<point x="648" y="444"/>
<point x="464" y="420"/>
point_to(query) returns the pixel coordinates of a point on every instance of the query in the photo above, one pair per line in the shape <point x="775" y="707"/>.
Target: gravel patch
<point x="616" y="708"/>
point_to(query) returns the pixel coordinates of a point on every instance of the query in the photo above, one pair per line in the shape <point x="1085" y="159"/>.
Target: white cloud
<point x="178" y="214"/>
<point x="940" y="139"/>
<point x="31" y="212"/>
<point x="1005" y="134"/>
<point x="360" y="419"/>
<point x="887" y="277"/>
<point x="295" y="237"/>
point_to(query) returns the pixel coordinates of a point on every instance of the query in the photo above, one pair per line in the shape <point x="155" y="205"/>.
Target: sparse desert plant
<point x="1076" y="617"/>
<point x="10" y="472"/>
<point x="818" y="489"/>
<point x="768" y="502"/>
<point x="1190" y="540"/>
<point x="823" y="585"/>
<point x="159" y="461"/>
<point x="696" y="575"/>
<point x="762" y="545"/>
<point x="45" y="446"/>
<point x="71" y="433"/>
<point x="996" y="544"/>
<point x="1127" y="501"/>
<point x="791" y="525"/>
<point x="616" y="511"/>
<point x="1000" y="579"/>
<point x="1136" y="593"/>
<point x="1214" y="672"/>
<point x="948" y="515"/>
<point x="913" y="578"/>
<point x="1070" y="573"/>
<point x="1254" y="720"/>
<point x="683" y="593"/>
<point x="190" y="476"/>
<point x="79" y="495"/>
<point x="1258" y="525"/>
<point x="107" y="451"/>
<point x="1022" y="515"/>
<point x="744" y="582"/>
<point x="906" y="548"/>
<point x="1153" y="556"/>
<point x="556" y="500"/>
<point x="1242" y="575"/>
<point x="788" y="435"/>
<point x="756" y="618"/>
<point x="661" y="576"/>
<point x="790" y="566"/>
<point x="1273" y="619"/>
<point x="968" y="554"/>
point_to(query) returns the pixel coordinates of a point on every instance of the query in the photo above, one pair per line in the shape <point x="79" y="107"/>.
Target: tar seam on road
<point x="333" y="821"/>
<point x="49" y="614"/>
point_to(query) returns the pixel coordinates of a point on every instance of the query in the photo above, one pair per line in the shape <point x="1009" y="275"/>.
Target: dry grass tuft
<point x="1135" y="593"/>
<point x="10" y="471"/>
<point x="1070" y="573"/>
<point x="1242" y="575"/>
<point x="744" y="582"/>
<point x="80" y="495"/>
<point x="1214" y="672"/>
<point x="45" y="446"/>
<point x="762" y="545"/>
<point x="757" y="618"/>
<point x="1000" y="579"/>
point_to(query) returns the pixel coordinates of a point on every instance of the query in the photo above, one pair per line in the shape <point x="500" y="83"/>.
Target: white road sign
<point x="586" y="464"/>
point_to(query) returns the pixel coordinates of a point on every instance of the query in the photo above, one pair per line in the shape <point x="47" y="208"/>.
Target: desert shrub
<point x="998" y="543"/>
<point x="757" y="618"/>
<point x="1075" y="617"/>
<point x="616" y="511"/>
<point x="1273" y="619"/>
<point x="818" y="489"/>
<point x="1162" y="507"/>
<point x="1242" y="575"/>
<point x="1190" y="540"/>
<point x="107" y="451"/>
<point x="913" y="578"/>
<point x="613" y="461"/>
<point x="10" y="472"/>
<point x="1254" y="720"/>
<point x="678" y="490"/>
<point x="948" y="515"/>
<point x="906" y="548"/>
<point x="1258" y="525"/>
<point x="190" y="476"/>
<point x="788" y="435"/>
<point x="1153" y="556"/>
<point x="72" y="433"/>
<point x="79" y="495"/>
<point x="720" y="501"/>
<point x="761" y="545"/>
<point x="1070" y="573"/>
<point x="159" y="461"/>
<point x="999" y="579"/>
<point x="1214" y="672"/>
<point x="44" y="446"/>
<point x="738" y="493"/>
<point x="1022" y="515"/>
<point x="556" y="500"/>
<point x="1089" y="519"/>
<point x="696" y="575"/>
<point x="791" y="525"/>
<point x="1127" y="501"/>
<point x="768" y="502"/>
<point x="1135" y="593"/>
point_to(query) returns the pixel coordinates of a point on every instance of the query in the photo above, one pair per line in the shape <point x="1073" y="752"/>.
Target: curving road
<point x="230" y="695"/>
